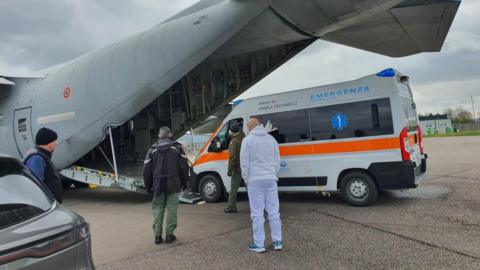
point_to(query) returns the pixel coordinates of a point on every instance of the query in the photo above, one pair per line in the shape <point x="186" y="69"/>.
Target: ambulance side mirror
<point x="215" y="145"/>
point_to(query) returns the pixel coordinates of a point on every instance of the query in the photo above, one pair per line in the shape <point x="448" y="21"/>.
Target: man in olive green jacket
<point x="234" y="172"/>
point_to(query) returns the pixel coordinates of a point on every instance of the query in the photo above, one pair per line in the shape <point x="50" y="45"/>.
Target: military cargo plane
<point x="186" y="68"/>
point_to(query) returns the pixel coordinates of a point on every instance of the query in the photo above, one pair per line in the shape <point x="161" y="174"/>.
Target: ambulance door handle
<point x="308" y="169"/>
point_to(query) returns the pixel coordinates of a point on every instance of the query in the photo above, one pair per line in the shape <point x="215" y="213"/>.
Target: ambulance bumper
<point x="398" y="175"/>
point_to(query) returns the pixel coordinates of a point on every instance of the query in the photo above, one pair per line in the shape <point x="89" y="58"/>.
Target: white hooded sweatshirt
<point x="259" y="156"/>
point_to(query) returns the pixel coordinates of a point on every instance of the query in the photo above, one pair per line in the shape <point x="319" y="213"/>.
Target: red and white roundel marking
<point x="66" y="92"/>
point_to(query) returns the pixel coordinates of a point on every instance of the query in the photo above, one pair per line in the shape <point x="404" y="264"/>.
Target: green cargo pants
<point x="161" y="202"/>
<point x="236" y="179"/>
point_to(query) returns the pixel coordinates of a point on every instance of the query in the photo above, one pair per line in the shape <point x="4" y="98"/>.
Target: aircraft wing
<point x="413" y="27"/>
<point x="4" y="81"/>
<point x="10" y="80"/>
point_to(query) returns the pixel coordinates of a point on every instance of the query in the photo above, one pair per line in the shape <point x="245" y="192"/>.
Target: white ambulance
<point x="355" y="138"/>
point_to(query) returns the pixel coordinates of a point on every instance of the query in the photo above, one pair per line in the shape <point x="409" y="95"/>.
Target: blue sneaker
<point x="255" y="248"/>
<point x="277" y="245"/>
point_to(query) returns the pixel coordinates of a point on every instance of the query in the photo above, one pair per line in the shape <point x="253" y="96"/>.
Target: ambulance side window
<point x="216" y="143"/>
<point x="287" y="127"/>
<point x="385" y="120"/>
<point x="223" y="135"/>
<point x="237" y="122"/>
<point x="222" y="140"/>
<point x="350" y="120"/>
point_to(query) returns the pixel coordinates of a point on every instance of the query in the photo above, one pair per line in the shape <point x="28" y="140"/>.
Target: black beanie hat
<point x="235" y="127"/>
<point x="45" y="136"/>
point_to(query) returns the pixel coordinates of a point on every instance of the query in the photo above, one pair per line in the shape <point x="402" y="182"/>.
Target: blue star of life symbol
<point x="339" y="121"/>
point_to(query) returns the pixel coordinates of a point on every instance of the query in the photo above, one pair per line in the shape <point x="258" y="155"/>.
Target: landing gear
<point x="66" y="184"/>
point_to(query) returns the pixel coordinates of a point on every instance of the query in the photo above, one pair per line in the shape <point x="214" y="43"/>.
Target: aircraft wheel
<point x="66" y="184"/>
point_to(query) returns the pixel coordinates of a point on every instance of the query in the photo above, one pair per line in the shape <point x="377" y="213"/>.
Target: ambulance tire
<point x="358" y="189"/>
<point x="210" y="188"/>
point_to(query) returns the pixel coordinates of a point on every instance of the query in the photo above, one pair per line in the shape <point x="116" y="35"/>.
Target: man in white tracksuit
<point x="260" y="164"/>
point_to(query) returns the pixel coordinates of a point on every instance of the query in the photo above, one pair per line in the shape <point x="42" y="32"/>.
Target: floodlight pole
<point x="193" y="140"/>
<point x="473" y="108"/>
<point x="113" y="153"/>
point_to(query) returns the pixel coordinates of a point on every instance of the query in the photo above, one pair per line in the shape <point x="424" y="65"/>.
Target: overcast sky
<point x="37" y="34"/>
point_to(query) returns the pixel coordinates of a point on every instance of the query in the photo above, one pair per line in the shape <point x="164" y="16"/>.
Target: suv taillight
<point x="404" y="143"/>
<point x="48" y="247"/>
<point x="420" y="139"/>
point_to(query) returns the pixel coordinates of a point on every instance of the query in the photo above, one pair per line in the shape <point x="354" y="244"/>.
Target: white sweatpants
<point x="263" y="195"/>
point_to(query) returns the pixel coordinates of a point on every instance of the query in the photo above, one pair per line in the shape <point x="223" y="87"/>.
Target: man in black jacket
<point x="165" y="173"/>
<point x="39" y="161"/>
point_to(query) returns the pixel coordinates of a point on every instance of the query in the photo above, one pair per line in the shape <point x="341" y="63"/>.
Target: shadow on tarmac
<point x="385" y="198"/>
<point x="105" y="195"/>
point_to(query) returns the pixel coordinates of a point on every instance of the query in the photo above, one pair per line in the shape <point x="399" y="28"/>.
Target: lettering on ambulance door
<point x="22" y="130"/>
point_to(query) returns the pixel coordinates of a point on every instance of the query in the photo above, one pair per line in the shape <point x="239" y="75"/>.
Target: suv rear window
<point x="20" y="197"/>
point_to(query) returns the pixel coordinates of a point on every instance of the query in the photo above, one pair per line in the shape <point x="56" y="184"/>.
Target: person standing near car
<point x="234" y="171"/>
<point x="165" y="173"/>
<point x="39" y="161"/>
<point x="260" y="164"/>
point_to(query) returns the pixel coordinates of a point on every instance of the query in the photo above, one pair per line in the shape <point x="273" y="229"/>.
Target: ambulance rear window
<point x="410" y="114"/>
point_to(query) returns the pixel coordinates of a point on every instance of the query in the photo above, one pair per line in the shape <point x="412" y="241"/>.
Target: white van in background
<point x="355" y="138"/>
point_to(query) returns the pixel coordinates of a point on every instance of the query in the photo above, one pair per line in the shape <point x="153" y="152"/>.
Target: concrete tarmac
<point x="436" y="226"/>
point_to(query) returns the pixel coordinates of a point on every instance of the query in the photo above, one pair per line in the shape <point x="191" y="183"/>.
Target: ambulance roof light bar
<point x="387" y="73"/>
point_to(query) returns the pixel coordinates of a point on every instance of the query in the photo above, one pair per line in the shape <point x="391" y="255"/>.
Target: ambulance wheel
<point x="358" y="189"/>
<point x="210" y="188"/>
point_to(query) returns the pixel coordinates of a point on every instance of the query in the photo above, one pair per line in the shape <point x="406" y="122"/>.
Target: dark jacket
<point x="234" y="152"/>
<point x="51" y="178"/>
<point x="165" y="167"/>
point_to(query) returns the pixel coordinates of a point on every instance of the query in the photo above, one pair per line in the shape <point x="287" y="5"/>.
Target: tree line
<point x="459" y="115"/>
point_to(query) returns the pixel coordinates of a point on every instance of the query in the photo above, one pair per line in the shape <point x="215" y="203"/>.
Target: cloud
<point x="39" y="34"/>
<point x="436" y="97"/>
<point x="17" y="70"/>
<point x="461" y="41"/>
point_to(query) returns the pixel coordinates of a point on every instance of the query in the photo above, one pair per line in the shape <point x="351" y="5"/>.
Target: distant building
<point x="436" y="124"/>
